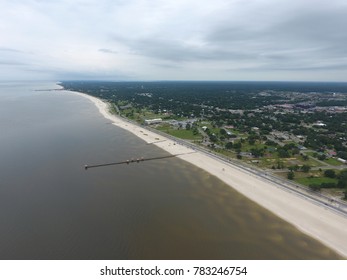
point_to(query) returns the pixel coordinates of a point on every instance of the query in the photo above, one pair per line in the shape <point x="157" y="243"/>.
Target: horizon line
<point x="208" y="81"/>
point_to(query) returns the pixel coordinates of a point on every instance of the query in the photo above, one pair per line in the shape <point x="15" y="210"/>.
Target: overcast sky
<point x="173" y="39"/>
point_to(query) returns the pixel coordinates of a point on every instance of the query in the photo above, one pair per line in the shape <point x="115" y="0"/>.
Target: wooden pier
<point x="137" y="160"/>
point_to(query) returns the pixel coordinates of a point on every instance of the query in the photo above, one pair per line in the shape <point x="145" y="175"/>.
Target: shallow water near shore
<point x="51" y="208"/>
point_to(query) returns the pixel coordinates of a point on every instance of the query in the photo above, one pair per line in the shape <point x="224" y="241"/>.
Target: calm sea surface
<point x="51" y="208"/>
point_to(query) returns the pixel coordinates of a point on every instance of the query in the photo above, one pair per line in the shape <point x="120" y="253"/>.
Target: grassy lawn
<point x="246" y="147"/>
<point x="315" y="181"/>
<point x="267" y="162"/>
<point x="226" y="153"/>
<point x="310" y="162"/>
<point x="184" y="134"/>
<point x="333" y="161"/>
<point x="150" y="115"/>
<point x="180" y="133"/>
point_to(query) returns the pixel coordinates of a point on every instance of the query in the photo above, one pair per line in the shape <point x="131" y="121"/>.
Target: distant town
<point x="297" y="131"/>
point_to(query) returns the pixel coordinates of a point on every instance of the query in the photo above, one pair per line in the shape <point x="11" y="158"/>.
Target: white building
<point x="153" y="121"/>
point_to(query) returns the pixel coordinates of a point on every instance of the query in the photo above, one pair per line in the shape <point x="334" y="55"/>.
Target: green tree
<point x="251" y="141"/>
<point x="290" y="175"/>
<point x="229" y="145"/>
<point x="342" y="183"/>
<point x="291" y="168"/>
<point x="342" y="154"/>
<point x="305" y="157"/>
<point x="257" y="152"/>
<point x="329" y="173"/>
<point x="237" y="145"/>
<point x="305" y="168"/>
<point x="322" y="157"/>
<point x="213" y="138"/>
<point x="283" y="153"/>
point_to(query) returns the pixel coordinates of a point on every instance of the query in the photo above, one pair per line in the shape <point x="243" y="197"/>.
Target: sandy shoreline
<point x="316" y="221"/>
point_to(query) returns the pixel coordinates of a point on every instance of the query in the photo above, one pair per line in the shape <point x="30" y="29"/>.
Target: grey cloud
<point x="317" y="26"/>
<point x="167" y="65"/>
<point x="4" y="49"/>
<point x="107" y="51"/>
<point x="173" y="38"/>
<point x="294" y="66"/>
<point x="92" y="75"/>
<point x="303" y="34"/>
<point x="303" y="39"/>
<point x="11" y="63"/>
<point x="180" y="51"/>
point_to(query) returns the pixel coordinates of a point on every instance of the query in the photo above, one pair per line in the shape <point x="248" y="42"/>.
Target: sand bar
<point x="322" y="224"/>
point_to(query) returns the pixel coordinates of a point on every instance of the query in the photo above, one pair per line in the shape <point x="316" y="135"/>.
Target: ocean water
<point x="51" y="208"/>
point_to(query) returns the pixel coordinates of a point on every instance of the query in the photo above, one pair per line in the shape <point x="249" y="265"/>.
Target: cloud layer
<point x="174" y="39"/>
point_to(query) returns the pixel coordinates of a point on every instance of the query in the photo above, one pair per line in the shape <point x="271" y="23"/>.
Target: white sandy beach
<point x="316" y="221"/>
